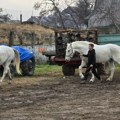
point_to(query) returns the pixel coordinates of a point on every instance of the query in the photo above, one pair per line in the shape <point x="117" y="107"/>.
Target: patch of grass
<point x="47" y="69"/>
<point x="117" y="67"/>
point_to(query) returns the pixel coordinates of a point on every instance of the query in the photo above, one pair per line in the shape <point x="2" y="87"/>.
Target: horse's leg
<point x="80" y="69"/>
<point x="92" y="78"/>
<point x="6" y="67"/>
<point x="4" y="73"/>
<point x="112" y="69"/>
<point x="10" y="77"/>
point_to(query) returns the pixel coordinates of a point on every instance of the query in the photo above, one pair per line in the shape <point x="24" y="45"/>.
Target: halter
<point x="71" y="52"/>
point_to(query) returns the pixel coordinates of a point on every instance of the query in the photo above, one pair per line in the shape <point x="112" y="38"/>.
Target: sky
<point x="16" y="7"/>
<point x="24" y="7"/>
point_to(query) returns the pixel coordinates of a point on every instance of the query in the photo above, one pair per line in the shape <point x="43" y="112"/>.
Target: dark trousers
<point x="93" y="71"/>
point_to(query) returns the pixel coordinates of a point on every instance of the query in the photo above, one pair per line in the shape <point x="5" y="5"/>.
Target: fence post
<point x="11" y="37"/>
<point x="33" y="42"/>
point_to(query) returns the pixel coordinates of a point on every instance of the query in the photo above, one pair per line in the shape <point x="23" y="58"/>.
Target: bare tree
<point x="83" y="9"/>
<point x="50" y="6"/>
<point x="107" y="10"/>
<point x="6" y="17"/>
<point x="76" y="15"/>
<point x="72" y="12"/>
<point x="1" y="10"/>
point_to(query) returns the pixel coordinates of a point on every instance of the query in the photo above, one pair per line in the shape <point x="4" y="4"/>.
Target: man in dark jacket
<point x="91" y="66"/>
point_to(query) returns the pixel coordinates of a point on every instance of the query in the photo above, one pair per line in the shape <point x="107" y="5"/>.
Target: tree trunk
<point x="61" y="18"/>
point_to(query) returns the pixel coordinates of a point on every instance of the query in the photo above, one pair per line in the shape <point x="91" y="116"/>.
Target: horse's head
<point x="78" y="46"/>
<point x="69" y="52"/>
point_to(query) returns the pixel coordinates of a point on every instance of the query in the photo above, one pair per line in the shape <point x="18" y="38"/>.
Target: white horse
<point x="104" y="53"/>
<point x="7" y="56"/>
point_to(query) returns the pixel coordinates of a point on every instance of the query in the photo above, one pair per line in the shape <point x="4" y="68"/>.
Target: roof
<point x="4" y="18"/>
<point x="34" y="19"/>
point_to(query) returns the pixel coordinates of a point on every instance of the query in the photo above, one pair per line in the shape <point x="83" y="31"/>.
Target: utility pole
<point x="21" y="18"/>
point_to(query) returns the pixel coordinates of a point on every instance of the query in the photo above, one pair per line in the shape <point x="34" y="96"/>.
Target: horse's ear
<point x="67" y="44"/>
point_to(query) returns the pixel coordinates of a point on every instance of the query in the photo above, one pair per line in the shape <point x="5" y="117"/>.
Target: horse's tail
<point x="17" y="61"/>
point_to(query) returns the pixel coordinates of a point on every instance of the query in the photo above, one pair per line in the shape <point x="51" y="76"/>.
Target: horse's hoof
<point x="101" y="80"/>
<point x="109" y="79"/>
<point x="91" y="81"/>
<point x="82" y="77"/>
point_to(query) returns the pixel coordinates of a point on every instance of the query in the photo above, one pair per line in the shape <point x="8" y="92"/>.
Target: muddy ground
<point x="54" y="98"/>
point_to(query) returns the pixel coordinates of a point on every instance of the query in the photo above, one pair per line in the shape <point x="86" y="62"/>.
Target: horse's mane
<point x="84" y="43"/>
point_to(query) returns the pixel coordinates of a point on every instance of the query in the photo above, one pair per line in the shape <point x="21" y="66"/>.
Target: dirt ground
<point x="54" y="98"/>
